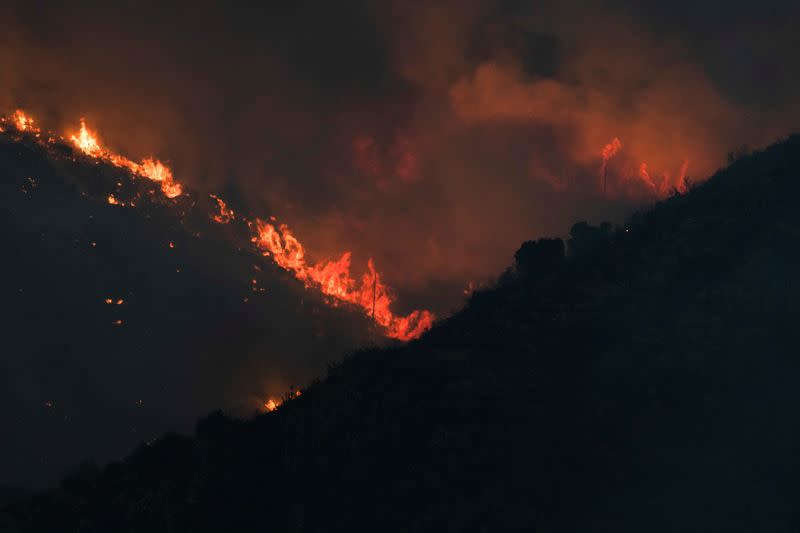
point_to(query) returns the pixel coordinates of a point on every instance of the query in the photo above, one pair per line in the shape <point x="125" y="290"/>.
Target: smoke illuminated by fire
<point x="332" y="278"/>
<point x="611" y="149"/>
<point x="666" y="185"/>
<point x="645" y="176"/>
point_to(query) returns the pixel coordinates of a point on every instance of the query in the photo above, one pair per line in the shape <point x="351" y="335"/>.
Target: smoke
<point x="434" y="138"/>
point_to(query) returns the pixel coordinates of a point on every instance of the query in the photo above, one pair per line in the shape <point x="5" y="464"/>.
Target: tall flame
<point x="645" y="176"/>
<point x="683" y="187"/>
<point x="609" y="151"/>
<point x="86" y="141"/>
<point x="333" y="278"/>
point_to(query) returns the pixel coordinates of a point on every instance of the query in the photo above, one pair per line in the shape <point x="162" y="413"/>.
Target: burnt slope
<point x="204" y="321"/>
<point x="647" y="382"/>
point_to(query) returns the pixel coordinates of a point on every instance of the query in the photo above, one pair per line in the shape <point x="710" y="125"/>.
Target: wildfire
<point x="86" y="141"/>
<point x="225" y="215"/>
<point x="333" y="278"/>
<point x="611" y="149"/>
<point x="273" y="403"/>
<point x="682" y="185"/>
<point x="22" y="121"/>
<point x="665" y="183"/>
<point x="645" y="176"/>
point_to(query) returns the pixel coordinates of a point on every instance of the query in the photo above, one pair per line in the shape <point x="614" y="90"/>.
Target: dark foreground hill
<point x="195" y="319"/>
<point x="648" y="381"/>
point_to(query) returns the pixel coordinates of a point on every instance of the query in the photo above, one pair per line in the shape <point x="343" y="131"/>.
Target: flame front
<point x="333" y="278"/>
<point x="642" y="173"/>
<point x="86" y="141"/>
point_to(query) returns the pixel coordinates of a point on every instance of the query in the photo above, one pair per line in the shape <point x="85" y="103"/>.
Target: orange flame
<point x="333" y="278"/>
<point x="645" y="176"/>
<point x="225" y="214"/>
<point x="86" y="141"/>
<point x="611" y="149"/>
<point x="23" y="121"/>
<point x="682" y="185"/>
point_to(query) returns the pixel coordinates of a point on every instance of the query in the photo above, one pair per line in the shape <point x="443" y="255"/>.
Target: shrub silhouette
<point x="539" y="257"/>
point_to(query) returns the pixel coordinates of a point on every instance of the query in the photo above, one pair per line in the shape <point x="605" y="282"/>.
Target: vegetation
<point x="645" y="380"/>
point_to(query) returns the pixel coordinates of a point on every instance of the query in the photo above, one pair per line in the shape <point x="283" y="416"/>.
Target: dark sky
<point x="433" y="136"/>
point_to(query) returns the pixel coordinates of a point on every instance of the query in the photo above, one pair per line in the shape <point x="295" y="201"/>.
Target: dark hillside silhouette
<point x="196" y="320"/>
<point x="645" y="381"/>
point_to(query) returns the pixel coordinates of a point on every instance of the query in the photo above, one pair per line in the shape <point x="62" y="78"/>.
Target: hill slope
<point x="646" y="382"/>
<point x="195" y="319"/>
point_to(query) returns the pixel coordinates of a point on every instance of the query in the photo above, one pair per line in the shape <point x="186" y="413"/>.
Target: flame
<point x="645" y="175"/>
<point x="87" y="142"/>
<point x="611" y="149"/>
<point x="273" y="403"/>
<point x="23" y="121"/>
<point x="333" y="278"/>
<point x="665" y="186"/>
<point x="682" y="185"/>
<point x="225" y="214"/>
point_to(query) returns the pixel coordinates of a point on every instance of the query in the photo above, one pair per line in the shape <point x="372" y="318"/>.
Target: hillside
<point x="120" y="323"/>
<point x="646" y="381"/>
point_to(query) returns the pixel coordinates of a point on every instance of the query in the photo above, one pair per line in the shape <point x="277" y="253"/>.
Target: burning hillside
<point x="121" y="323"/>
<point x="332" y="278"/>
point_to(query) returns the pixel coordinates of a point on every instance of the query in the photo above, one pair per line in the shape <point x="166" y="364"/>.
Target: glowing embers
<point x="333" y="279"/>
<point x="273" y="403"/>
